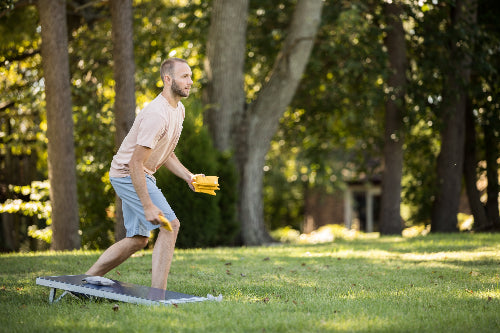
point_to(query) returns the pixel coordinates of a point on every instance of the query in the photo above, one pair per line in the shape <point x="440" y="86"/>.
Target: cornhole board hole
<point x="119" y="291"/>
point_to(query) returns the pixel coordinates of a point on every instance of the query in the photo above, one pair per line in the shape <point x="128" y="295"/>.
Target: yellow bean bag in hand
<point x="206" y="184"/>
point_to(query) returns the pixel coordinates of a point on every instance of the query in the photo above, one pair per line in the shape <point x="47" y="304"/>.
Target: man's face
<point x="181" y="80"/>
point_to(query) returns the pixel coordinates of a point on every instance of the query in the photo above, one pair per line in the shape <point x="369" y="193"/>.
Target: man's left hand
<point x="193" y="177"/>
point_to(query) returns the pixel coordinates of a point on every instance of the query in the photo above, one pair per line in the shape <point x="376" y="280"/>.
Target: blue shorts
<point x="133" y="212"/>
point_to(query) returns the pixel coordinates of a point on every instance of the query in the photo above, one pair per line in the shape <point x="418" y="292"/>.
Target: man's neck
<point x="172" y="100"/>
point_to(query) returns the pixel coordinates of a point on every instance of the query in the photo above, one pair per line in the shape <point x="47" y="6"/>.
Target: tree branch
<point x="17" y="5"/>
<point x="19" y="57"/>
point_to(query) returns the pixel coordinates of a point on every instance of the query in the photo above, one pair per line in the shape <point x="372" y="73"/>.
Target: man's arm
<point x="136" y="166"/>
<point x="177" y="168"/>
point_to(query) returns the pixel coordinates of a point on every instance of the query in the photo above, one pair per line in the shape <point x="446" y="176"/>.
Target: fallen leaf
<point x="175" y="305"/>
<point x="118" y="272"/>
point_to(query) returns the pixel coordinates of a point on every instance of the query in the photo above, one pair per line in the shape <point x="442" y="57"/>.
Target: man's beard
<point x="177" y="90"/>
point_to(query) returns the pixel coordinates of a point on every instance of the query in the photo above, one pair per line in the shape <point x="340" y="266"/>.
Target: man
<point x="149" y="145"/>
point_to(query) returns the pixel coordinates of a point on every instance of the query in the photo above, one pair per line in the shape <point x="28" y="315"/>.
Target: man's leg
<point x="116" y="254"/>
<point x="163" y="253"/>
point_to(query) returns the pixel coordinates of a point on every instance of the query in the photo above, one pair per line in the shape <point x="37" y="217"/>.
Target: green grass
<point x="437" y="283"/>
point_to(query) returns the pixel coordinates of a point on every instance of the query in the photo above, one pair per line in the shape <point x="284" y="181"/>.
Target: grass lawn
<point x="437" y="283"/>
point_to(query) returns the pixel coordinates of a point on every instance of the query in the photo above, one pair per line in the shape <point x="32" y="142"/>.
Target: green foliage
<point x="32" y="201"/>
<point x="21" y="102"/>
<point x="167" y="29"/>
<point x="267" y="23"/>
<point x="205" y="220"/>
<point x="284" y="185"/>
<point x="6" y="4"/>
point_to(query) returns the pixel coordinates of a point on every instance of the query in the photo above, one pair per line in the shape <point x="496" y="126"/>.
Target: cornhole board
<point x="119" y="291"/>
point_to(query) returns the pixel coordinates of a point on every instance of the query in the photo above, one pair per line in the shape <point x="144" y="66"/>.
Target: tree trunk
<point x="61" y="150"/>
<point x="124" y="69"/>
<point x="252" y="128"/>
<point x="451" y="157"/>
<point x="492" y="154"/>
<point x="470" y="173"/>
<point x="224" y="67"/>
<point x="390" y="214"/>
<point x="10" y="232"/>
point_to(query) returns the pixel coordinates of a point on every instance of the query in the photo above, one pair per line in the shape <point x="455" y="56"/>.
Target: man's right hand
<point x="152" y="213"/>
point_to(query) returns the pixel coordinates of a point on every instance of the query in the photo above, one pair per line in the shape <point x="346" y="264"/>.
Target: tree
<point x="492" y="151"/>
<point x="451" y="156"/>
<point x="248" y="129"/>
<point x="470" y="172"/>
<point x="485" y="88"/>
<point x="390" y="215"/>
<point x="123" y="70"/>
<point x="61" y="150"/>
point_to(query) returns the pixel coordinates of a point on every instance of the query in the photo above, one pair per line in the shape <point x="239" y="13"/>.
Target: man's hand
<point x="193" y="177"/>
<point x="152" y="213"/>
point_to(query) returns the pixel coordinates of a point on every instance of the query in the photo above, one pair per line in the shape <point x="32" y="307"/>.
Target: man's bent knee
<point x="175" y="226"/>
<point x="140" y="242"/>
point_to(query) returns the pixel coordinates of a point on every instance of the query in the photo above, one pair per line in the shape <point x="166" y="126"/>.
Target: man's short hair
<point x="167" y="67"/>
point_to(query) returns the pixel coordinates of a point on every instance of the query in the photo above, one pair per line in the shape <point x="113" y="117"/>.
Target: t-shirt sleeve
<point x="150" y="131"/>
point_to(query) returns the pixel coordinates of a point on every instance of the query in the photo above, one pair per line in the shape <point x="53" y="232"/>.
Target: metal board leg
<point x="64" y="294"/>
<point x="52" y="294"/>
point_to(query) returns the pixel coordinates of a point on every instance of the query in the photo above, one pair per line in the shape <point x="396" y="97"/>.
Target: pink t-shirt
<point x="158" y="126"/>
